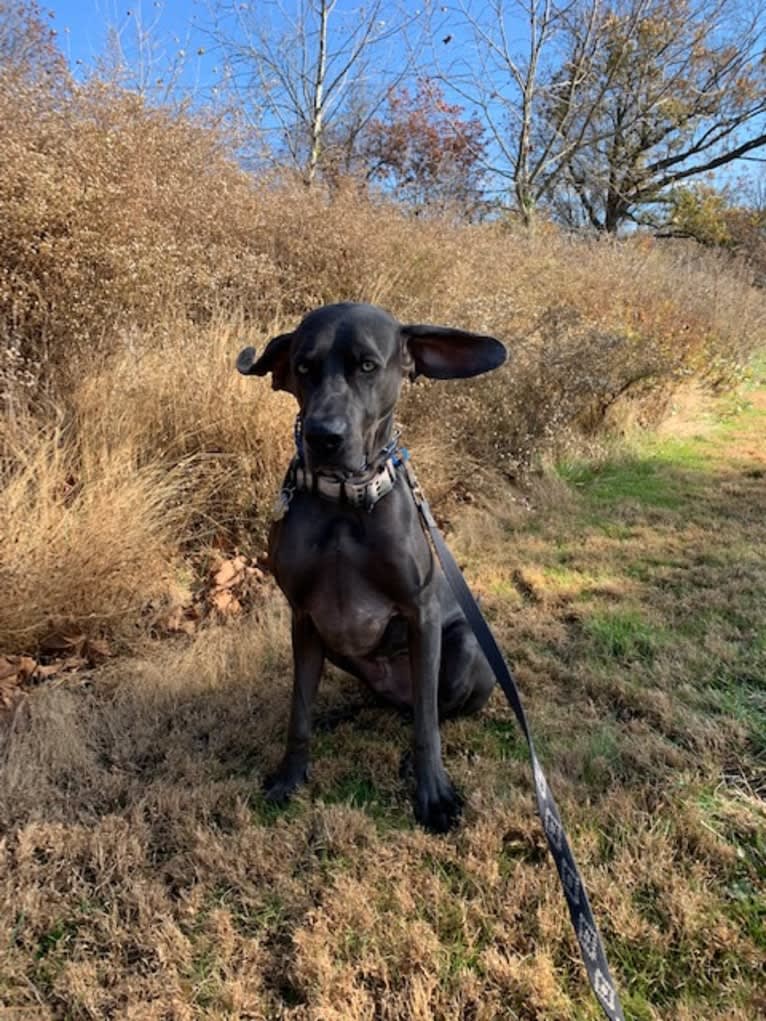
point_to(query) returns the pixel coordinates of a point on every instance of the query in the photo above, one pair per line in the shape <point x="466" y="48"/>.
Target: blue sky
<point x="82" y="24"/>
<point x="174" y="25"/>
<point x="177" y="31"/>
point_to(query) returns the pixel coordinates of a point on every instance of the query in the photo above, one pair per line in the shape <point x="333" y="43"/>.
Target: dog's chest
<point x="345" y="573"/>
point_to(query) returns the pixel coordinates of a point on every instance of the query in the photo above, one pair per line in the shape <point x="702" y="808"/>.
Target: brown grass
<point x="80" y="548"/>
<point x="144" y="877"/>
<point x="157" y="456"/>
<point x="174" y="399"/>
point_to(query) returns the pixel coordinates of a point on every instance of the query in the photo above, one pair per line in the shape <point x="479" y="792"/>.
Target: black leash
<point x="588" y="937"/>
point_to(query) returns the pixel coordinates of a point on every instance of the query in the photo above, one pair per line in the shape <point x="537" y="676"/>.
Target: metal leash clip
<point x="285" y="495"/>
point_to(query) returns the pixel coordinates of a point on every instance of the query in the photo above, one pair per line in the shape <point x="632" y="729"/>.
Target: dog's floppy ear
<point x="441" y="352"/>
<point x="275" y="359"/>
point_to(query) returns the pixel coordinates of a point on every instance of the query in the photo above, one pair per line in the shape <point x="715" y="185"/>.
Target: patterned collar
<point x="361" y="490"/>
<point x="364" y="493"/>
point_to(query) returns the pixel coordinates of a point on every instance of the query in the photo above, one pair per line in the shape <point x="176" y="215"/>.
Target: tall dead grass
<point x="136" y="258"/>
<point x="172" y="396"/>
<point x="78" y="548"/>
<point x="161" y="451"/>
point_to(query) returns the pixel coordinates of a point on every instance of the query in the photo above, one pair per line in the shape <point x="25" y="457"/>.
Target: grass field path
<point x="646" y="607"/>
<point x="143" y="877"/>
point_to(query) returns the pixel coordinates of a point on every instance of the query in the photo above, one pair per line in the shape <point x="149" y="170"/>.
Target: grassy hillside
<point x="129" y="453"/>
<point x="137" y="257"/>
<point x="144" y="877"/>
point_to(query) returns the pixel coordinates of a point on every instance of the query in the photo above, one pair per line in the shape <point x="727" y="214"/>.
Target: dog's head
<point x="345" y="365"/>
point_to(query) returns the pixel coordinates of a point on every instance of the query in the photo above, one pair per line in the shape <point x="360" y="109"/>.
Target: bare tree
<point x="142" y="57"/>
<point x="512" y="74"/>
<point x="312" y="74"/>
<point x="674" y="89"/>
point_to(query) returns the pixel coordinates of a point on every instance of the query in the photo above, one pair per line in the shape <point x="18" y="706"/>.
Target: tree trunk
<point x="613" y="214"/>
<point x="317" y="108"/>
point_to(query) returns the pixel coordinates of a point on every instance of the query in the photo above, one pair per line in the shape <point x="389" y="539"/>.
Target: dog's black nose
<point x="324" y="436"/>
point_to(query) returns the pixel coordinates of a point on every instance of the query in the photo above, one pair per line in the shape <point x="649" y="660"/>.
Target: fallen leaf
<point x="73" y="663"/>
<point x="9" y="694"/>
<point x="180" y="618"/>
<point x="62" y="644"/>
<point x="44" y="672"/>
<point x="225" y="602"/>
<point x="96" y="649"/>
<point x="229" y="572"/>
<point x="7" y="668"/>
<point x="26" y="667"/>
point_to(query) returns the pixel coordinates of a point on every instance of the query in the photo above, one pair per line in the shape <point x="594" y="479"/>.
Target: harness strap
<point x="591" y="947"/>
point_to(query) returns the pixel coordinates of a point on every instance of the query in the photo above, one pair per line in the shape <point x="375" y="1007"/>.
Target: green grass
<point x="623" y="635"/>
<point x="602" y="760"/>
<point x="739" y="821"/>
<point x="55" y="940"/>
<point x="651" y="473"/>
<point x="639" y="480"/>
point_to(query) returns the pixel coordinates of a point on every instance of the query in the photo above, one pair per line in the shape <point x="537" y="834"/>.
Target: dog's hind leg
<point x="465" y="677"/>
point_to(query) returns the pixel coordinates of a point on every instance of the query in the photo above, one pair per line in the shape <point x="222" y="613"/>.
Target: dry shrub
<point x="560" y="381"/>
<point x="163" y="449"/>
<point x="110" y="213"/>
<point x="79" y="551"/>
<point x="137" y="257"/>
<point x="588" y="323"/>
<point x="114" y="214"/>
<point x="174" y="398"/>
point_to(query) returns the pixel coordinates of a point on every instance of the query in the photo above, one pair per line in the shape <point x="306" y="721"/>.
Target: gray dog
<point x="347" y="547"/>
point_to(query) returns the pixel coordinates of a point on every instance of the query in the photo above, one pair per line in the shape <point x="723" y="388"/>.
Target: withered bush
<point x="136" y="257"/>
<point x="159" y="453"/>
<point x="114" y="214"/>
<point x="81" y="549"/>
<point x="174" y="400"/>
<point x="111" y="212"/>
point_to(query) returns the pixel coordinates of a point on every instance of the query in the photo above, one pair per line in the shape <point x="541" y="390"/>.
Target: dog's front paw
<point x="279" y="785"/>
<point x="438" y="805"/>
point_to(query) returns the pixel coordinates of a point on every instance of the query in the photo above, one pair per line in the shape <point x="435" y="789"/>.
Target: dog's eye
<point x="302" y="368"/>
<point x="368" y="365"/>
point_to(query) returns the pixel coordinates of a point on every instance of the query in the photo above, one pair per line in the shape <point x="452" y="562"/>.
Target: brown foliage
<point x="720" y="218"/>
<point x="159" y="453"/>
<point x="110" y="212"/>
<point x="136" y="259"/>
<point x="428" y="152"/>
